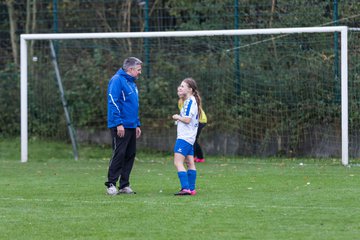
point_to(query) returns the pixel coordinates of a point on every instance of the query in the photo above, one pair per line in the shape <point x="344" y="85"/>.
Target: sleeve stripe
<point x="123" y="95"/>
<point x="112" y="100"/>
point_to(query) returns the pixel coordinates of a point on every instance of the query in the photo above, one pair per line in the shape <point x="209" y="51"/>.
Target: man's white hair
<point x="131" y="62"/>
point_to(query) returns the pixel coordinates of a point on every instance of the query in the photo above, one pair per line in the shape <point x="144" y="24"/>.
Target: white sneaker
<point x="111" y="190"/>
<point x="126" y="190"/>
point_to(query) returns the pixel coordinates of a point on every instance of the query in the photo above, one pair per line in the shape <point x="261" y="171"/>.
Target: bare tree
<point x="273" y="5"/>
<point x="13" y="28"/>
<point x="101" y="12"/>
<point x="31" y="21"/>
<point x="126" y="21"/>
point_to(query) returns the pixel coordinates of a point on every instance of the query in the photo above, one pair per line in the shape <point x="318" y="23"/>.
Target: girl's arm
<point x="186" y="120"/>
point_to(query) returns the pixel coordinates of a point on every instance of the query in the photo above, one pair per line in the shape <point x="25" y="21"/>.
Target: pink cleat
<point x="193" y="192"/>
<point x="199" y="160"/>
<point x="183" y="192"/>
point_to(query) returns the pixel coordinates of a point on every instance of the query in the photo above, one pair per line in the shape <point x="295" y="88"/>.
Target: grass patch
<point x="54" y="197"/>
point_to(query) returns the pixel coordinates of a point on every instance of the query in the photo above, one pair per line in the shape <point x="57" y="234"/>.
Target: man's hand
<point x="138" y="132"/>
<point x="120" y="131"/>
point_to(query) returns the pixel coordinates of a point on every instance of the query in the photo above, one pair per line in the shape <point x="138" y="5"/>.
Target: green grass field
<point x="54" y="197"/>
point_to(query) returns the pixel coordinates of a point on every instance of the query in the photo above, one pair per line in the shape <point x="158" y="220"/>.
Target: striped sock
<point x="191" y="174"/>
<point x="183" y="180"/>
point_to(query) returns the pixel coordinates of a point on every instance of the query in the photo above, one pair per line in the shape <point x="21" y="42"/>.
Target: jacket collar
<point x="126" y="76"/>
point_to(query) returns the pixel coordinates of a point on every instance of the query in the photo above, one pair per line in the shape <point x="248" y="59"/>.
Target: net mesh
<point x="263" y="95"/>
<point x="354" y="93"/>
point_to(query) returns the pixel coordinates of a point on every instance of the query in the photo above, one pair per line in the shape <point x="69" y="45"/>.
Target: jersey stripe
<point x="188" y="107"/>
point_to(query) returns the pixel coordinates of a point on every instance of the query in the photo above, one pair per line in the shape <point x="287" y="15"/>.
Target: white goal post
<point x="343" y="30"/>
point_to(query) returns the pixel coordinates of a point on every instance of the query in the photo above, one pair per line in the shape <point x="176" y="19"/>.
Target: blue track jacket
<point x="123" y="101"/>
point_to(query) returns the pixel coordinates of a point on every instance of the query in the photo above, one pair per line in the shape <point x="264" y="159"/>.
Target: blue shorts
<point x="183" y="147"/>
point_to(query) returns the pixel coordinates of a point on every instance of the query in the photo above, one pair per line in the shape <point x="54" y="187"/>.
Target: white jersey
<point x="188" y="131"/>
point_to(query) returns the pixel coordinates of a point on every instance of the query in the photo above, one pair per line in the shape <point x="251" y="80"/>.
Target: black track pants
<point x="122" y="161"/>
<point x="197" y="148"/>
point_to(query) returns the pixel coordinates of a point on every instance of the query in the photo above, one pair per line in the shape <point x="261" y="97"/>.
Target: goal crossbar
<point x="343" y="30"/>
<point x="267" y="31"/>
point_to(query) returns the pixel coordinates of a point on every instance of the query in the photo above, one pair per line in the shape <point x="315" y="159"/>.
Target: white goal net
<point x="267" y="92"/>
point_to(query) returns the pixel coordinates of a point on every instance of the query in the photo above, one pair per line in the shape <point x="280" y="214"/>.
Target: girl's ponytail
<point x="192" y="84"/>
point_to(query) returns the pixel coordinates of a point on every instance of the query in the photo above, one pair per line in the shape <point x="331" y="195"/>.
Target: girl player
<point x="187" y="125"/>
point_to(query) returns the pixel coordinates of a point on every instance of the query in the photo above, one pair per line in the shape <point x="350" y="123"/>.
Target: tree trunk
<point x="13" y="28"/>
<point x="28" y="16"/>
<point x="33" y="25"/>
<point x="273" y="4"/>
<point x="127" y="23"/>
<point x="30" y="22"/>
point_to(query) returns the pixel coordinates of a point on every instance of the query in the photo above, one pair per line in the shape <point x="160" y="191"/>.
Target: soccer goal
<point x="267" y="92"/>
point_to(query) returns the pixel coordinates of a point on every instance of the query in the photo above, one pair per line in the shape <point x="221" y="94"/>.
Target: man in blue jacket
<point x="124" y="124"/>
